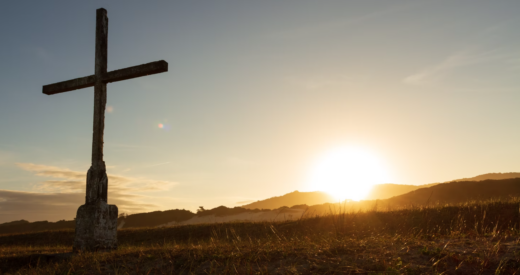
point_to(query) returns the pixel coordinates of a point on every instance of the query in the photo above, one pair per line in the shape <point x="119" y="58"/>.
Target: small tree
<point x="201" y="209"/>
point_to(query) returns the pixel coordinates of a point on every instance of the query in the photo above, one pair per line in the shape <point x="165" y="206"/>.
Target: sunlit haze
<point x="261" y="98"/>
<point x="348" y="173"/>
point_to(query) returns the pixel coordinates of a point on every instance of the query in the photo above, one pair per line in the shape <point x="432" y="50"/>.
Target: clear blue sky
<point x="255" y="93"/>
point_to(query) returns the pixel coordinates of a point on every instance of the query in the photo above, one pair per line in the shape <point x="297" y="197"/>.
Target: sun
<point x="347" y="173"/>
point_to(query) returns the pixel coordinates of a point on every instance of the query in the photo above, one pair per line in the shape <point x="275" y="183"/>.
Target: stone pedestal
<point x="96" y="227"/>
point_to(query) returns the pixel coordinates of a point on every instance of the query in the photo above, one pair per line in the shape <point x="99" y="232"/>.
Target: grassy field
<point x="474" y="238"/>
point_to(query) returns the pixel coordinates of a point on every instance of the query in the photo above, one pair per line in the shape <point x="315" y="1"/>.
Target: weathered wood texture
<point x="70" y="85"/>
<point x="100" y="88"/>
<point x="97" y="183"/>
<point x="137" y="71"/>
<point x="101" y="42"/>
<point x="113" y="76"/>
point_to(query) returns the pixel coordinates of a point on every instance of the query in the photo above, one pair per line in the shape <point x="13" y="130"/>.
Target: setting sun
<point x="347" y="173"/>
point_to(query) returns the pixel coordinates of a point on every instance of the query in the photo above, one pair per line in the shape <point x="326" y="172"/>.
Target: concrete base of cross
<point x="96" y="227"/>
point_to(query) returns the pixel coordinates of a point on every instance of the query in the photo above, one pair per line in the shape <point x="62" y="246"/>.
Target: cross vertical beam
<point x="97" y="180"/>
<point x="100" y="88"/>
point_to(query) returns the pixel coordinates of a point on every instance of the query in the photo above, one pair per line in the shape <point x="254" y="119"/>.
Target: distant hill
<point x="223" y="214"/>
<point x="458" y="192"/>
<point x="155" y="218"/>
<point x="388" y="190"/>
<point x="224" y="211"/>
<point x="378" y="192"/>
<point x="23" y="226"/>
<point x="13" y="223"/>
<point x="294" y="205"/>
<point x="291" y="199"/>
<point x="455" y="192"/>
<point x="176" y="216"/>
<point x="444" y="193"/>
<point x="492" y="176"/>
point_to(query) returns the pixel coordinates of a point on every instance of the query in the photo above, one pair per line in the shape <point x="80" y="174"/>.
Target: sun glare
<point x="347" y="173"/>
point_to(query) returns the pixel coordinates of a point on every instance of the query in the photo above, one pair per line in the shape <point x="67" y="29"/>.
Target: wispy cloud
<point x="36" y="206"/>
<point x="64" y="192"/>
<point x="17" y="205"/>
<point x="146" y="166"/>
<point x="436" y="72"/>
<point x="341" y="23"/>
<point x="74" y="181"/>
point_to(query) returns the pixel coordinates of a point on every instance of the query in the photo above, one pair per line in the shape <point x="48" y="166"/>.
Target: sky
<point x="256" y="92"/>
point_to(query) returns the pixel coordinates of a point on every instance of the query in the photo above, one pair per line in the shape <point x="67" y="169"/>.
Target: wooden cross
<point x="99" y="80"/>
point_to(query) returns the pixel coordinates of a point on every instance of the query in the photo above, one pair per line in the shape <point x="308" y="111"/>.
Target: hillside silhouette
<point x="155" y="218"/>
<point x="291" y="199"/>
<point x="451" y="193"/>
<point x="23" y="226"/>
<point x="308" y="204"/>
<point x="458" y="192"/>
<point x="378" y="192"/>
<point x="492" y="176"/>
<point x="388" y="190"/>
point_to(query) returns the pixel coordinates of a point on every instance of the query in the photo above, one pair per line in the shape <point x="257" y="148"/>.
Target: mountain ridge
<point x="291" y="199"/>
<point x="452" y="192"/>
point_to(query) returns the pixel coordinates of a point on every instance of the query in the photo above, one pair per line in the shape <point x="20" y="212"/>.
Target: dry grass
<point x="475" y="238"/>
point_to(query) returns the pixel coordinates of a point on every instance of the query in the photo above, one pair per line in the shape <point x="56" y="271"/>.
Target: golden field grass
<point x="473" y="238"/>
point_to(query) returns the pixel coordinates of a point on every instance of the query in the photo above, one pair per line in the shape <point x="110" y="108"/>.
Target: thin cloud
<point x="35" y="206"/>
<point x="341" y="23"/>
<point x="436" y="72"/>
<point x="60" y="196"/>
<point x="74" y="181"/>
<point x="148" y="166"/>
<point x="64" y="186"/>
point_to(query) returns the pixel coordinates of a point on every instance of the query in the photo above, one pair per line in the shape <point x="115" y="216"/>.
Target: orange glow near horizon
<point x="347" y="173"/>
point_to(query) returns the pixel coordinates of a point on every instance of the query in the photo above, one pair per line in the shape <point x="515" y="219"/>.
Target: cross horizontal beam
<point x="113" y="76"/>
<point x="136" y="71"/>
<point x="69" y="85"/>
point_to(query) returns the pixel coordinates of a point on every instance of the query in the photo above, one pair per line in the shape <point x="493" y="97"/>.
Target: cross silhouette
<point x="95" y="224"/>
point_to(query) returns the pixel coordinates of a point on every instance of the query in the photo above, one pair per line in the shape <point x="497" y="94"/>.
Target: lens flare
<point x="163" y="126"/>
